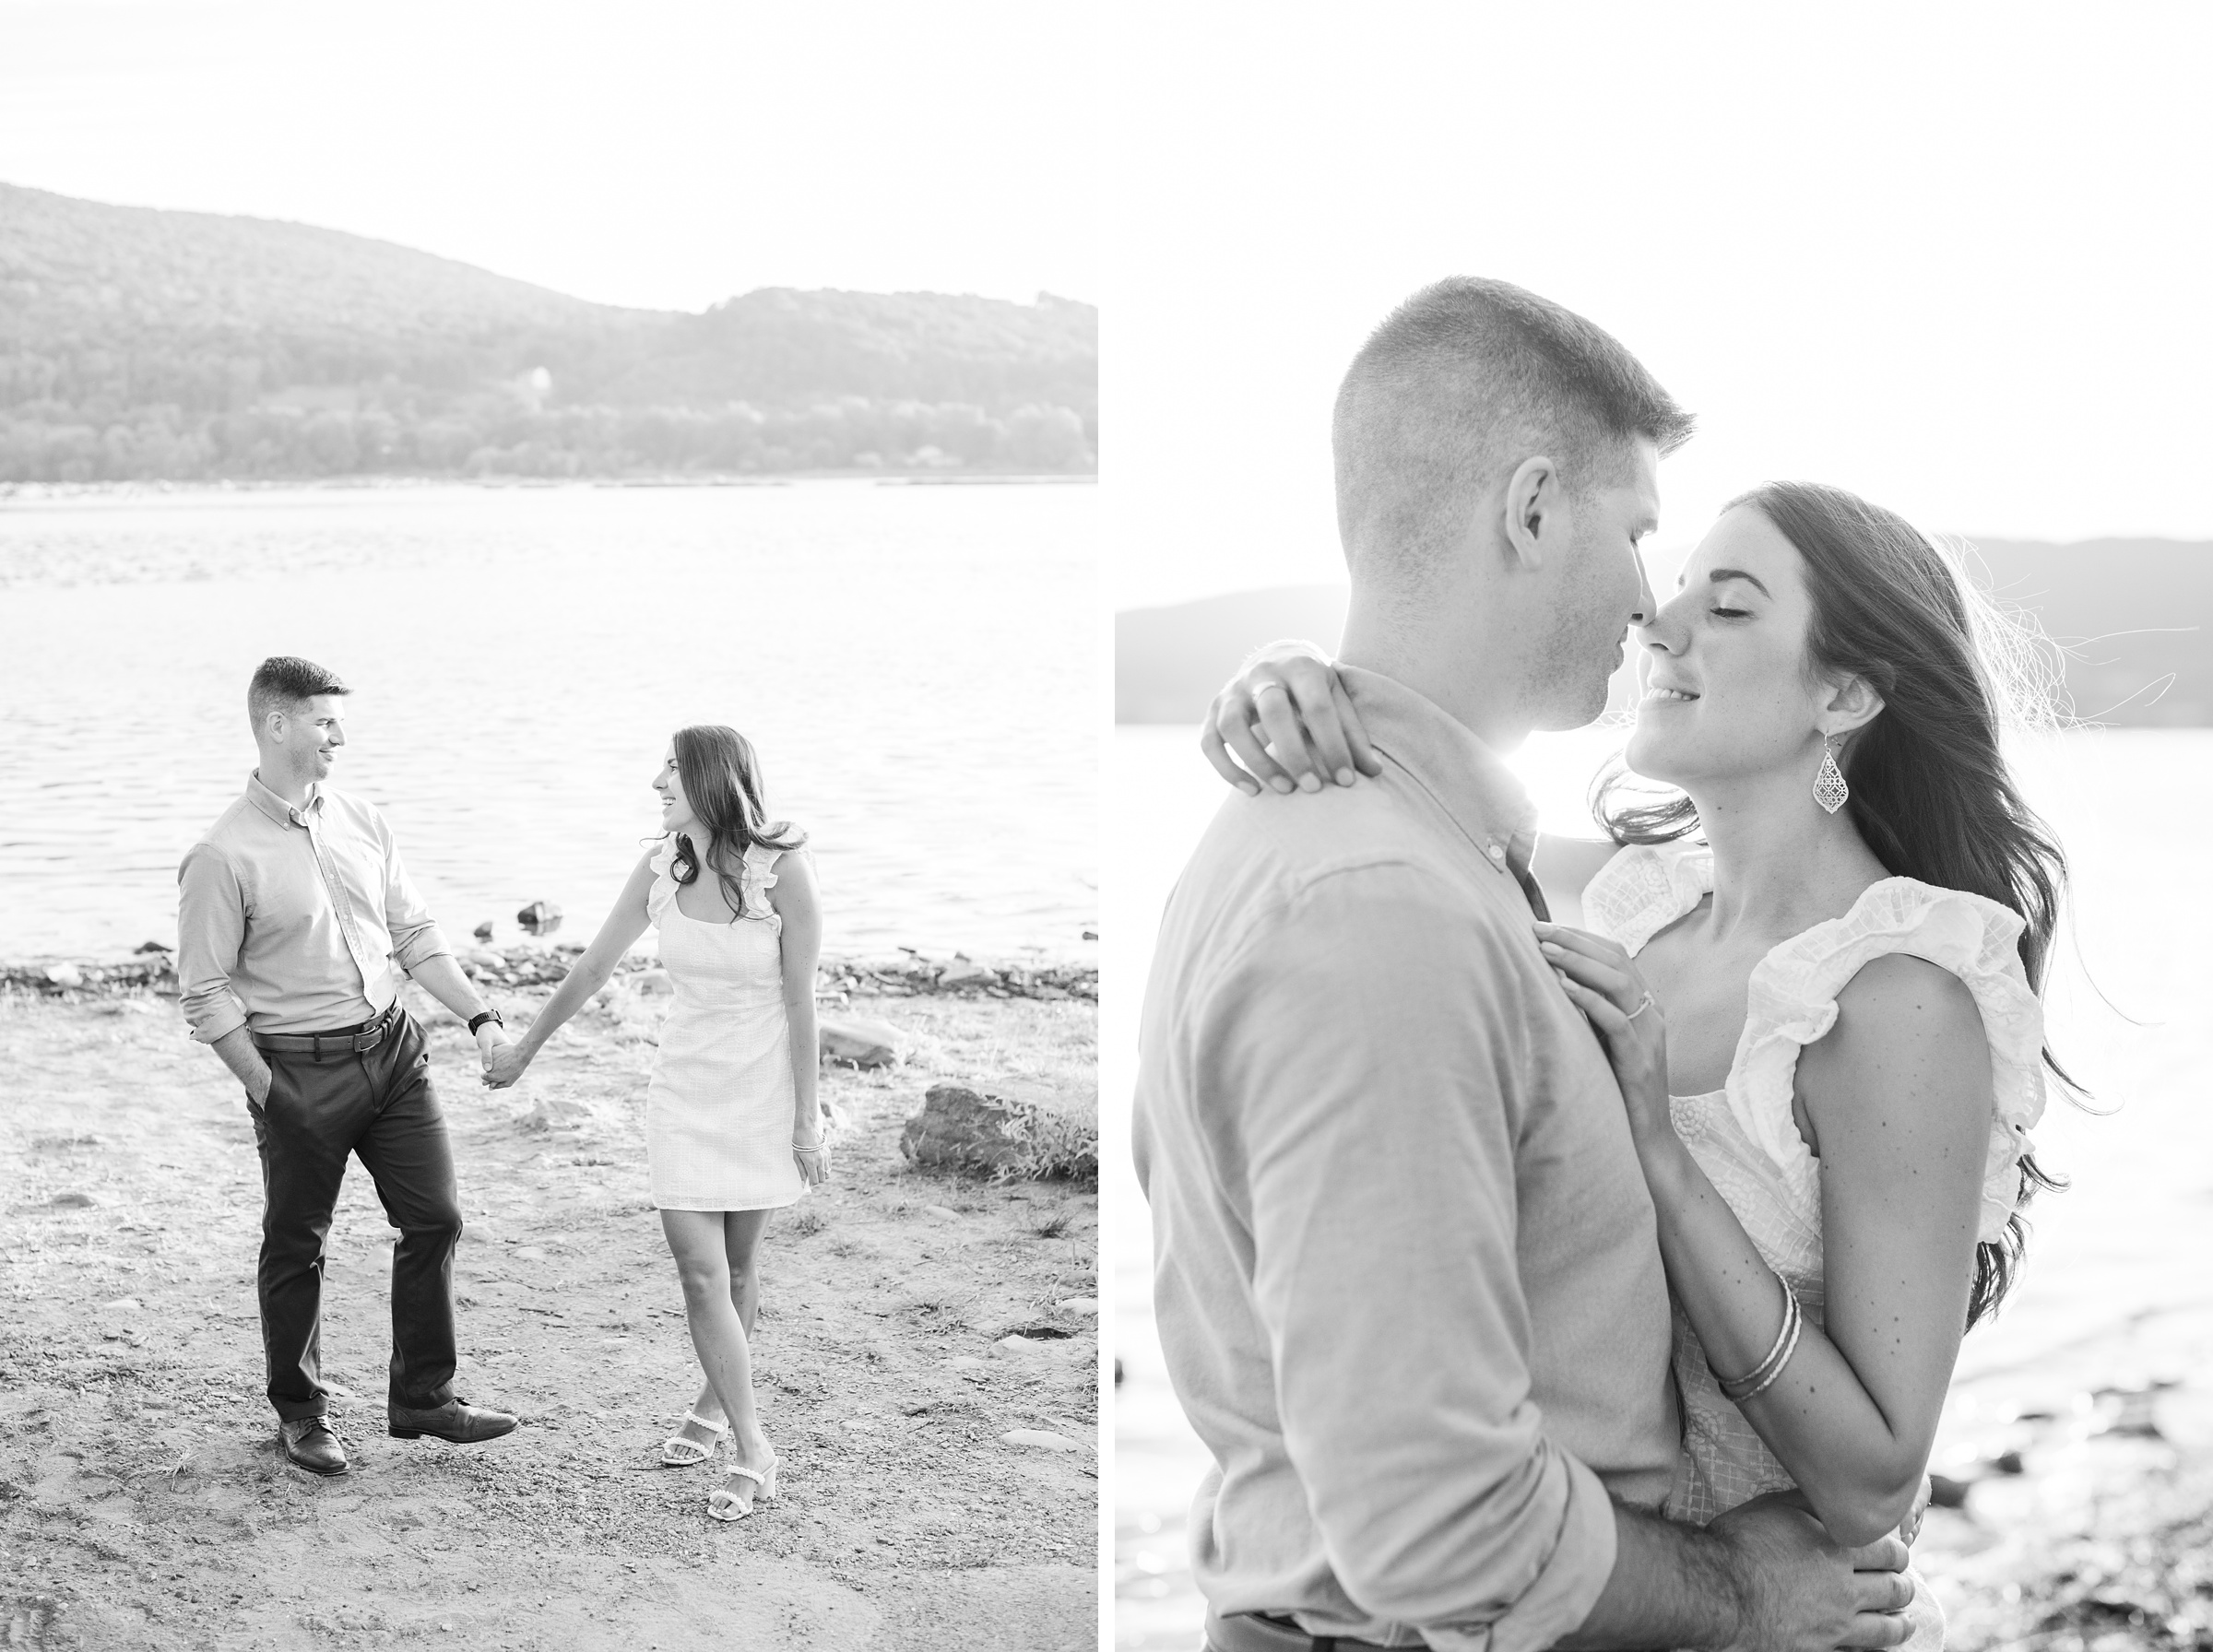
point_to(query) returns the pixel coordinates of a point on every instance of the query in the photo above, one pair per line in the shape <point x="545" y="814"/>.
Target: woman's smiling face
<point x="676" y="808"/>
<point x="1728" y="688"/>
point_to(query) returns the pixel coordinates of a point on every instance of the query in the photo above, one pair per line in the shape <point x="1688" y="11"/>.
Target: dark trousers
<point x="378" y="1104"/>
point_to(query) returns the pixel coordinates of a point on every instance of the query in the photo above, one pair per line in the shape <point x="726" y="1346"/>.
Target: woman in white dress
<point x="732" y="1127"/>
<point x="1814" y="969"/>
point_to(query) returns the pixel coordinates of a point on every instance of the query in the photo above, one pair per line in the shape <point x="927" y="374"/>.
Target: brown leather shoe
<point x="309" y="1443"/>
<point x="456" y="1421"/>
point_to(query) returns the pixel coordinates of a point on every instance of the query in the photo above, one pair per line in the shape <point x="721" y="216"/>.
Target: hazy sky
<point x="654" y="152"/>
<point x="1952" y="256"/>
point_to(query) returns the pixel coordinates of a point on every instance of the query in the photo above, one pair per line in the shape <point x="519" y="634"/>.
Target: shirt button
<point x="1496" y="852"/>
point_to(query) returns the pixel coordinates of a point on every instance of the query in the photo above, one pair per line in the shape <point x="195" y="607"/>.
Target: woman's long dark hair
<point x="722" y="783"/>
<point x="1931" y="794"/>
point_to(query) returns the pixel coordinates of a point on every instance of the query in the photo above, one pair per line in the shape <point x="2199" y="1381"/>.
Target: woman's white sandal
<point x="676" y="1444"/>
<point x="722" y="1497"/>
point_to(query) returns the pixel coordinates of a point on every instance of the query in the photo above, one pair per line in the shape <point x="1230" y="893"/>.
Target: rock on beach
<point x="861" y="1041"/>
<point x="1004" y="1137"/>
<point x="542" y="963"/>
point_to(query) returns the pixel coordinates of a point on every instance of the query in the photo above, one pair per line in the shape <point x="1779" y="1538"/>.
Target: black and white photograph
<point x="1654" y="1023"/>
<point x="549" y="663"/>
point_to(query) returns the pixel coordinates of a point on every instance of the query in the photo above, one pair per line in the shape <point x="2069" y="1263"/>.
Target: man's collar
<point x="1467" y="778"/>
<point x="276" y="807"/>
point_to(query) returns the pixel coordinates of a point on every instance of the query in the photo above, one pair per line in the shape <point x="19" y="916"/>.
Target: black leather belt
<point x="1250" y="1631"/>
<point x="341" y="1040"/>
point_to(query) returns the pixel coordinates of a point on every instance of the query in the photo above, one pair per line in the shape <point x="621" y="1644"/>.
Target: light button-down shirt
<point x="296" y="920"/>
<point x="1406" y="1268"/>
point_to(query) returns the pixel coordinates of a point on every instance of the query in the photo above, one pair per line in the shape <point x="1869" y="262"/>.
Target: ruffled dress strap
<point x="663" y="889"/>
<point x="1792" y="1002"/>
<point x="757" y="878"/>
<point x="1644" y="887"/>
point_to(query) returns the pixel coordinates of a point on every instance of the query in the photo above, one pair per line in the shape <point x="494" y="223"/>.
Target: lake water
<point x="2116" y="1290"/>
<point x="918" y="667"/>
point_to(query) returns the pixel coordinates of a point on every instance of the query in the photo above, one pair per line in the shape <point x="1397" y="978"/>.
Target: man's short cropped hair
<point x="283" y="681"/>
<point x="1460" y="383"/>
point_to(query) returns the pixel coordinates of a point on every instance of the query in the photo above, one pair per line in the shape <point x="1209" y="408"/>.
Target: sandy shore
<point x="143" y="1501"/>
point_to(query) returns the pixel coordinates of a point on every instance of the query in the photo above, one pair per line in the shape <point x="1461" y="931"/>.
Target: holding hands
<point x="504" y="1063"/>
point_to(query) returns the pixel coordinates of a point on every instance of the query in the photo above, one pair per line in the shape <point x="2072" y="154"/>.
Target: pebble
<point x="549" y="1113"/>
<point x="1078" y="1305"/>
<point x="942" y="1212"/>
<point x="1043" y="1439"/>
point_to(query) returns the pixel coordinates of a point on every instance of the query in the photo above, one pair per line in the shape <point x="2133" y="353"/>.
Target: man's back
<point x="1406" y="1274"/>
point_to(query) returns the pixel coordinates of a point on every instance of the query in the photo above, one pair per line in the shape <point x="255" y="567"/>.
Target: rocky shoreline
<point x="907" y="974"/>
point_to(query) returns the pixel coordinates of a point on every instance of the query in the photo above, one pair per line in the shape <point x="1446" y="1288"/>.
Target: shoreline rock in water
<point x="908" y="974"/>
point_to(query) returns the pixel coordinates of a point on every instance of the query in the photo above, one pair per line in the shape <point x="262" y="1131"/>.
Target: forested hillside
<point x="140" y="344"/>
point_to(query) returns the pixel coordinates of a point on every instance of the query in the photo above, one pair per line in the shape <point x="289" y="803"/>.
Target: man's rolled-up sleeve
<point x="212" y="925"/>
<point x="1372" y="1062"/>
<point x="416" y="937"/>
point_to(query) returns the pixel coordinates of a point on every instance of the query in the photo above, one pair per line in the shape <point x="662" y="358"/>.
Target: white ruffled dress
<point x="1745" y="1137"/>
<point x="719" y="1105"/>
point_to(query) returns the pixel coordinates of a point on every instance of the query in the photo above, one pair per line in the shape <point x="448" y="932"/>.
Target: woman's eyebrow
<point x="1718" y="575"/>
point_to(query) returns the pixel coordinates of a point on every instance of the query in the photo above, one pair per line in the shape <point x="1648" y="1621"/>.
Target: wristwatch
<point x="489" y="1015"/>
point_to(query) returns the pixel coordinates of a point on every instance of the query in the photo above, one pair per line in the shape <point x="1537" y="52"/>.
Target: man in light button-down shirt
<point x="337" y="925"/>
<point x="1406" y="1274"/>
<point x="296" y="926"/>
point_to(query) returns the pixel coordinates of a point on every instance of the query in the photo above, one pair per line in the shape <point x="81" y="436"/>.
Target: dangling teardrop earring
<point x="1830" y="790"/>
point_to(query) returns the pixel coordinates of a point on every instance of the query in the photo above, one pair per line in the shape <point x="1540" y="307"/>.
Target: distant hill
<point x="137" y="343"/>
<point x="2134" y="619"/>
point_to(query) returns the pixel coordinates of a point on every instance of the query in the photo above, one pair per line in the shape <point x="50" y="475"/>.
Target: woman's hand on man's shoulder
<point x="1285" y="721"/>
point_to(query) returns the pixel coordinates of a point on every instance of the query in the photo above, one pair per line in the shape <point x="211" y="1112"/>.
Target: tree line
<point x="487" y="436"/>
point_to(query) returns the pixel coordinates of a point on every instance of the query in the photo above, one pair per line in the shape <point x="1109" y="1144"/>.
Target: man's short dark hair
<point x="283" y="681"/>
<point x="1462" y="383"/>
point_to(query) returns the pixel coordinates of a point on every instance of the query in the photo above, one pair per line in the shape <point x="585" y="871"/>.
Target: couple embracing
<point x="1592" y="1285"/>
<point x="297" y="927"/>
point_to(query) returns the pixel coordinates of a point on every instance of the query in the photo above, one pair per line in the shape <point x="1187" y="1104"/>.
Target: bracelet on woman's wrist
<point x="1762" y="1377"/>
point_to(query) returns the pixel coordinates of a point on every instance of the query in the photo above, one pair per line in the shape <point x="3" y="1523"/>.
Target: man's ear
<point x="1852" y="705"/>
<point x="1532" y="511"/>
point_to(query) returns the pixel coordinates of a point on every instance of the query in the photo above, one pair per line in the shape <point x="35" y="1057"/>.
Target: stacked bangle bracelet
<point x="1762" y="1375"/>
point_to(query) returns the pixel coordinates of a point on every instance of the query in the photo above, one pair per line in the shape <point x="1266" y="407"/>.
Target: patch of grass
<point x="1049" y="1145"/>
<point x="1052" y="1227"/>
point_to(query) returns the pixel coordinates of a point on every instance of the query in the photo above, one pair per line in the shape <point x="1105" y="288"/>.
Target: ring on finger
<point x="1643" y="1004"/>
<point x="1264" y="685"/>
